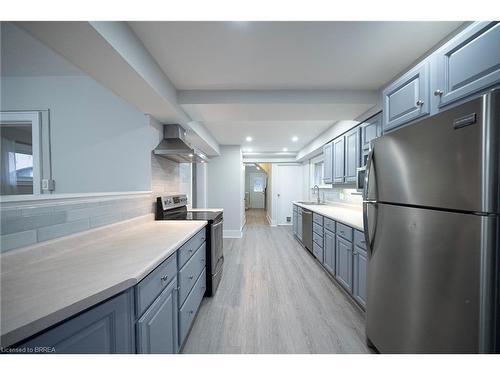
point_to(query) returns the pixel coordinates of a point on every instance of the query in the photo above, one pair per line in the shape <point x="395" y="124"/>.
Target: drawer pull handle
<point x="190" y="277"/>
<point x="203" y="238"/>
<point x="202" y="261"/>
<point x="438" y="92"/>
<point x="164" y="278"/>
<point x="419" y="103"/>
<point x="190" y="250"/>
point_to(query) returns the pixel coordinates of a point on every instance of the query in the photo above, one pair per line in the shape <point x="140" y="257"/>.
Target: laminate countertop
<point x="44" y="284"/>
<point x="346" y="214"/>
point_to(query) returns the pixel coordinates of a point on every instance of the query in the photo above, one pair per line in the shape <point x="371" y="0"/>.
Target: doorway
<point x="256" y="192"/>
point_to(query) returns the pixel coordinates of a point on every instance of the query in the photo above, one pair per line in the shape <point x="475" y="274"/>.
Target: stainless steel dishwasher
<point x="307" y="229"/>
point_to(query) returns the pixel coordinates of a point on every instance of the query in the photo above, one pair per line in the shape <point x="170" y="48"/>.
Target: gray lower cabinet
<point x="104" y="329"/>
<point x="359" y="276"/>
<point x="327" y="163"/>
<point x="188" y="310"/>
<point x="329" y="251"/>
<point x="157" y="331"/>
<point x="352" y="155"/>
<point x="338" y="160"/>
<point x="299" y="223"/>
<point x="468" y="63"/>
<point x="343" y="263"/>
<point x="407" y="98"/>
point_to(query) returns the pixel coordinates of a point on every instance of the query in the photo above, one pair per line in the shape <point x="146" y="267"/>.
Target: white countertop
<point x="347" y="214"/>
<point x="46" y="283"/>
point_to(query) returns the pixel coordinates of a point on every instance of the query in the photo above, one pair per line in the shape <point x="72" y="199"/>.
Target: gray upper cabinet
<point x="359" y="276"/>
<point x="329" y="251"/>
<point x="466" y="64"/>
<point x="157" y="331"/>
<point x="343" y="263"/>
<point x="104" y="329"/>
<point x="370" y="130"/>
<point x="327" y="163"/>
<point x="352" y="154"/>
<point x="407" y="98"/>
<point x="338" y="160"/>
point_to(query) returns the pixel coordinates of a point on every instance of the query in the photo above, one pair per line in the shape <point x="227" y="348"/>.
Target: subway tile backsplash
<point x="26" y="223"/>
<point x="338" y="195"/>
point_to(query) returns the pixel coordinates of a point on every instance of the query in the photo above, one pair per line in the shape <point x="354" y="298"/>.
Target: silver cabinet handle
<point x="164" y="278"/>
<point x="438" y="92"/>
<point x="420" y="103"/>
<point x="190" y="277"/>
<point x="191" y="312"/>
<point x="190" y="250"/>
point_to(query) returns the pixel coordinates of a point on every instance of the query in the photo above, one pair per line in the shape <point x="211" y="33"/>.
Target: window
<point x="258" y="184"/>
<point x="20" y="166"/>
<point x="318" y="173"/>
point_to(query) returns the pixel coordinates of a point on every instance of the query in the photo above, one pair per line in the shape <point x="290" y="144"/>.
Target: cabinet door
<point x="407" y="98"/>
<point x="327" y="163"/>
<point x="299" y="224"/>
<point x="295" y="222"/>
<point x="338" y="160"/>
<point x="104" y="329"/>
<point x="371" y="130"/>
<point x="157" y="328"/>
<point x="359" y="276"/>
<point x="352" y="155"/>
<point x="329" y="251"/>
<point x="468" y="63"/>
<point x="343" y="263"/>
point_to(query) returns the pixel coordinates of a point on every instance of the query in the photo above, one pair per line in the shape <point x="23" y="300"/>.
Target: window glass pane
<point x="258" y="184"/>
<point x="318" y="173"/>
<point x="16" y="159"/>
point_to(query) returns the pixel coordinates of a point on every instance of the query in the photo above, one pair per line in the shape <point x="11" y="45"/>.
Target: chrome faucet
<point x="314" y="188"/>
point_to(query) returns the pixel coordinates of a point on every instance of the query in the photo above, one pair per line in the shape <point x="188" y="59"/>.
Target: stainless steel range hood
<point x="174" y="147"/>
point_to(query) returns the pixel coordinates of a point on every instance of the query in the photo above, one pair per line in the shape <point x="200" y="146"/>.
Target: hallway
<point x="256" y="216"/>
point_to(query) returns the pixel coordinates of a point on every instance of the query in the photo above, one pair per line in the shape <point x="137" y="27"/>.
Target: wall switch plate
<point x="48" y="185"/>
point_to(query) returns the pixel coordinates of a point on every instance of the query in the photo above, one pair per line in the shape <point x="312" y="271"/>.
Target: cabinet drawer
<point x="190" y="272"/>
<point x="189" y="248"/>
<point x="153" y="284"/>
<point x="344" y="231"/>
<point x="317" y="218"/>
<point x="318" y="229"/>
<point x="318" y="252"/>
<point x="359" y="239"/>
<point x="318" y="239"/>
<point x="190" y="307"/>
<point x="329" y="224"/>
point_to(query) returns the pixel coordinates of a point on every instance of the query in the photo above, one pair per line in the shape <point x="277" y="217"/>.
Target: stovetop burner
<point x="174" y="208"/>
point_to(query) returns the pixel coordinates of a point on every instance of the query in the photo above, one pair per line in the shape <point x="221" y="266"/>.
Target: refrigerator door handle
<point x="369" y="163"/>
<point x="369" y="238"/>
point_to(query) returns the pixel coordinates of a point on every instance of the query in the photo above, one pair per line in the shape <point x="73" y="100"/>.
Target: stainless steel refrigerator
<point x="431" y="218"/>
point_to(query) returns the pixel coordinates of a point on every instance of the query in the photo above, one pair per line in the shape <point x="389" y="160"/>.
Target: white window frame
<point x="312" y="163"/>
<point x="25" y="117"/>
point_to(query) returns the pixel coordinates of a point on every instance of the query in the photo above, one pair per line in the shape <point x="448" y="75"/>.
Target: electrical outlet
<point x="48" y="185"/>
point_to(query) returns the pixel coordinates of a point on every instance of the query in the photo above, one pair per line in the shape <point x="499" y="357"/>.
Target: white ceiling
<point x="269" y="80"/>
<point x="283" y="55"/>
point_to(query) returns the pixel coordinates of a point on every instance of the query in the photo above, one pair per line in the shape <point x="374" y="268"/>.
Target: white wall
<point x="99" y="143"/>
<point x="201" y="185"/>
<point x="226" y="188"/>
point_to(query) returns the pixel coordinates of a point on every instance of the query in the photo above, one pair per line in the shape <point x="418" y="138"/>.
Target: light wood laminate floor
<point x="275" y="298"/>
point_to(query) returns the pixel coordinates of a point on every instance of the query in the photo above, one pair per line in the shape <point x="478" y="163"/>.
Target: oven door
<point x="360" y="178"/>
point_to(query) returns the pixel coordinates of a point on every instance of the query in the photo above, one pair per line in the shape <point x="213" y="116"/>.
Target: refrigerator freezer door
<point x="424" y="280"/>
<point x="447" y="161"/>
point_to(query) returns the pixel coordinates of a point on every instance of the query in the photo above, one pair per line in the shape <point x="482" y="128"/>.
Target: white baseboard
<point x="232" y="233"/>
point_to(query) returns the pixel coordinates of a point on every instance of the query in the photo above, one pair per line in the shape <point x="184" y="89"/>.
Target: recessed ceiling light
<point x="249" y="139"/>
<point x="285" y="149"/>
<point x="295" y="138"/>
<point x="248" y="149"/>
<point x="190" y="155"/>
